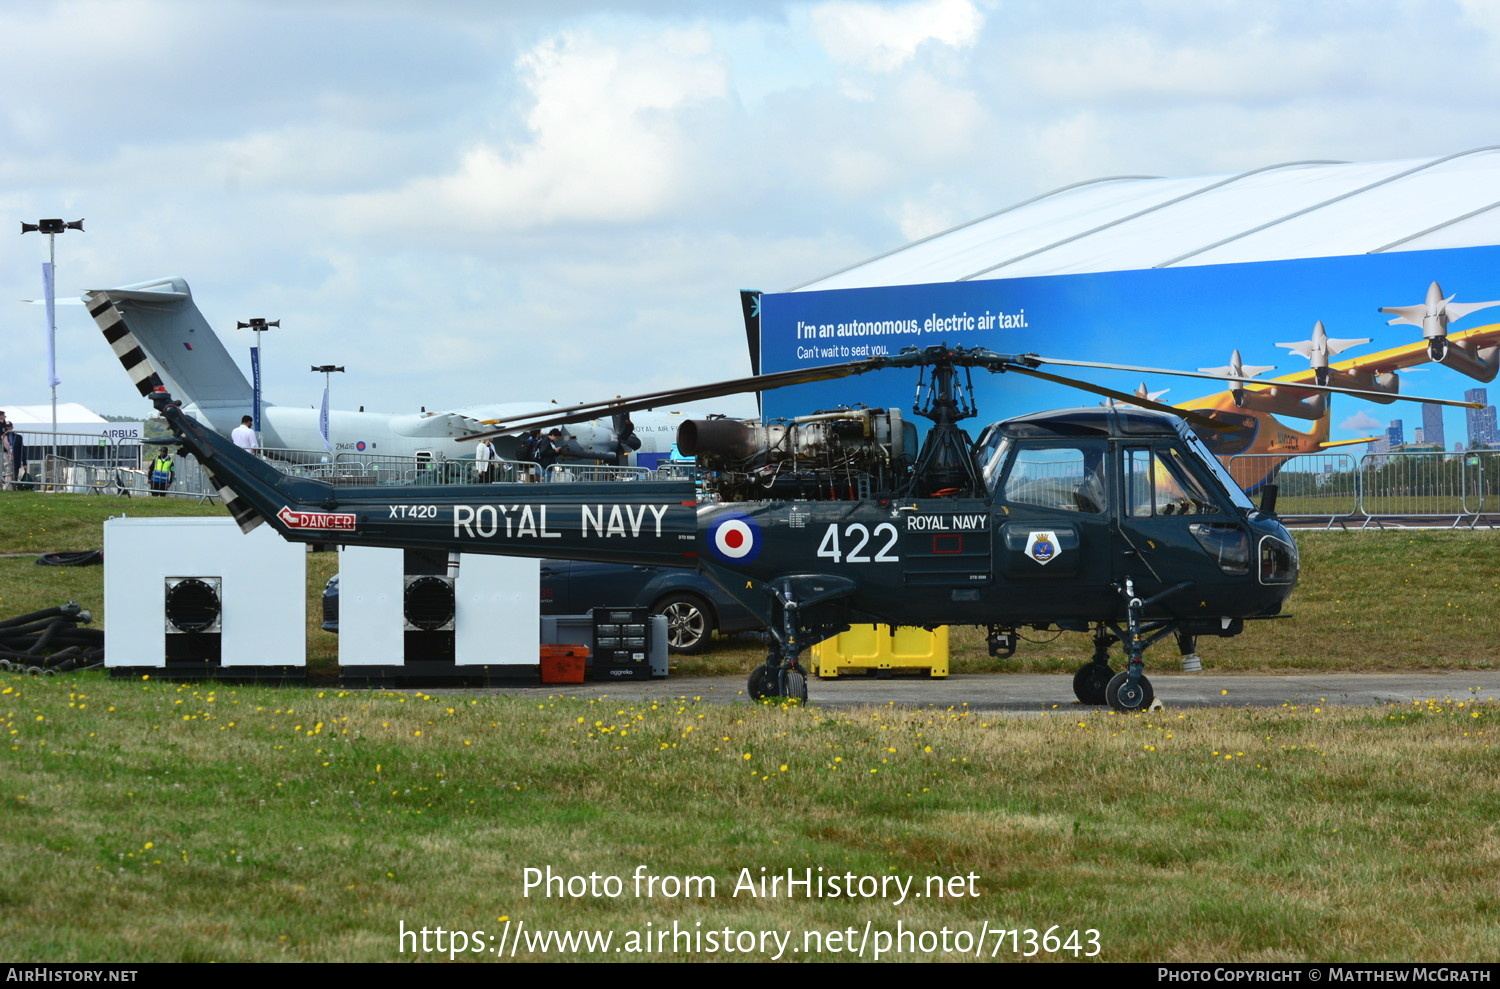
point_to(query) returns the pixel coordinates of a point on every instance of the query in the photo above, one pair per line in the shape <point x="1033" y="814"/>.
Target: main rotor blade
<point x="1128" y="398"/>
<point x="543" y="418"/>
<point x="1307" y="386"/>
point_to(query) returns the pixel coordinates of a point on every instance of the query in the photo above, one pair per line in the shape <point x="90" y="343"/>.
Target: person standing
<point x="526" y="453"/>
<point x="12" y="457"/>
<point x="484" y="459"/>
<point x="7" y="471"/>
<point x="244" y="435"/>
<point x="547" y="449"/>
<point x="162" y="472"/>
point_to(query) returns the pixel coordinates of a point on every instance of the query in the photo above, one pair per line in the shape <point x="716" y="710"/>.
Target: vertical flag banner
<point x="255" y="379"/>
<point x="48" y="289"/>
<point x="323" y="418"/>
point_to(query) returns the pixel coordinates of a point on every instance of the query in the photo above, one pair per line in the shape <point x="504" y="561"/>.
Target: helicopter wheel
<point x="1125" y="696"/>
<point x="1091" y="682"/>
<point x="796" y="686"/>
<point x="762" y="683"/>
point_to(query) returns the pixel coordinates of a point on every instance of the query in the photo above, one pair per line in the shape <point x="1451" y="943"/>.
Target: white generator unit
<point x="406" y="616"/>
<point x="196" y="597"/>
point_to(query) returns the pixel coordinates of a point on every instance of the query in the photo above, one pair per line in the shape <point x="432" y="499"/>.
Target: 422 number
<point x="863" y="541"/>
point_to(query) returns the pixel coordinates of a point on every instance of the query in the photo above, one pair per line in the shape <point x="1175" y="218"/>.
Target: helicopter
<point x="1114" y="520"/>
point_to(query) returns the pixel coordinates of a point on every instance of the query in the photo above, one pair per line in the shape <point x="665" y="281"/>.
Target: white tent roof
<point x="41" y="415"/>
<point x="1296" y="210"/>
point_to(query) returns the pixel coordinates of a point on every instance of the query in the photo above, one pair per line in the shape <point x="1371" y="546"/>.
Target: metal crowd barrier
<point x="90" y="463"/>
<point x="1310" y="485"/>
<point x="341" y="474"/>
<point x="1377" y="487"/>
<point x="123" y="478"/>
<point x="1481" y="472"/>
<point x="189" y="480"/>
<point x="49" y="456"/>
<point x="677" y="470"/>
<point x="591" y="472"/>
<point x="1413" y="485"/>
<point x="375" y="469"/>
<point x="296" y="458"/>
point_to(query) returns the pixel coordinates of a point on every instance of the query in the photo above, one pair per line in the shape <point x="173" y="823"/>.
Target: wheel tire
<point x="796" y="686"/>
<point x="1091" y="681"/>
<point x="1125" y="698"/>
<point x="762" y="683"/>
<point x="690" y="624"/>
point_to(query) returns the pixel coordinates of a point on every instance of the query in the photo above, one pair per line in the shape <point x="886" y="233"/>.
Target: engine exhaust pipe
<point x="717" y="437"/>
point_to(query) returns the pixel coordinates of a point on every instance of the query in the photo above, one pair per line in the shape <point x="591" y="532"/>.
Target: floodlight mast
<point x="256" y="325"/>
<point x="51" y="228"/>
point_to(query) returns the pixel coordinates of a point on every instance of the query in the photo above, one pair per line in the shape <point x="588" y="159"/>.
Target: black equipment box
<point x="622" y="644"/>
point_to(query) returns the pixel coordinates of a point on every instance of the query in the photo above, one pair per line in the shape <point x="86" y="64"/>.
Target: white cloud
<point x="1361" y="422"/>
<point x="606" y="140"/>
<point x="930" y="212"/>
<point x="879" y="38"/>
<point x="1482" y="14"/>
<point x="1130" y="64"/>
<point x="424" y="194"/>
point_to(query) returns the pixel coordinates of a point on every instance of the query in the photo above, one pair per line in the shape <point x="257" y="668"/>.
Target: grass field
<point x="148" y="821"/>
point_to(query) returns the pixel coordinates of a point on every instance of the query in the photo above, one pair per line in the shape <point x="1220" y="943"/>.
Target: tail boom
<point x="646" y="523"/>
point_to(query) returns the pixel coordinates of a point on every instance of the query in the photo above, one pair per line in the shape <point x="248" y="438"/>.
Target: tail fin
<point x="161" y="338"/>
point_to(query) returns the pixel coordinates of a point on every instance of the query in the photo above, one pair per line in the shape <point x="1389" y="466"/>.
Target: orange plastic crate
<point x="564" y="663"/>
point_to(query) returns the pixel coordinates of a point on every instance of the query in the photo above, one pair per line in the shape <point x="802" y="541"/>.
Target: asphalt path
<point x="1038" y="692"/>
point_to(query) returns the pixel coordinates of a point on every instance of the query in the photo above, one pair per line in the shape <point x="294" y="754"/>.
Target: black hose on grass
<point x="50" y="641"/>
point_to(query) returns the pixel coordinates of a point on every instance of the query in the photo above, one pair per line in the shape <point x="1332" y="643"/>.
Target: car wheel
<point x="689" y="623"/>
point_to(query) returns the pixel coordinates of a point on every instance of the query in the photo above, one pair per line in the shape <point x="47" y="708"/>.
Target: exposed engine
<point x="840" y="455"/>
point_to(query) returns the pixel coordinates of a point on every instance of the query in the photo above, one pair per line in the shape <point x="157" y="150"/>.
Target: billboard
<point x="1180" y="318"/>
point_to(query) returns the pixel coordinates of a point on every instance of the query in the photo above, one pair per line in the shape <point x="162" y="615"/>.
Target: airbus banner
<point x="50" y="296"/>
<point x="1434" y="316"/>
<point x="323" y="418"/>
<point x="255" y="379"/>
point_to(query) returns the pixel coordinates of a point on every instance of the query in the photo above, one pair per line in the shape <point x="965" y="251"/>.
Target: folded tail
<point x="161" y="338"/>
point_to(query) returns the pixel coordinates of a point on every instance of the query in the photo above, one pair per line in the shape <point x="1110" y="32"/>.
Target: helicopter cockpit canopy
<point x="1056" y="461"/>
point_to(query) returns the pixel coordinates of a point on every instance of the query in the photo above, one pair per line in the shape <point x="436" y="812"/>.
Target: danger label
<point x="343" y="521"/>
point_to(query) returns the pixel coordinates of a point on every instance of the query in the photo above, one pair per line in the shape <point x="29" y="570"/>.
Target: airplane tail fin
<point x="161" y="338"/>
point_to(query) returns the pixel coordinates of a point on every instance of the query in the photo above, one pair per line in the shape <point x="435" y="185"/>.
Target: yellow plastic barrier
<point x="866" y="649"/>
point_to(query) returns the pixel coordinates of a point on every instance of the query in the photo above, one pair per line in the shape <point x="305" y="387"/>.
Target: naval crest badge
<point x="1042" y="547"/>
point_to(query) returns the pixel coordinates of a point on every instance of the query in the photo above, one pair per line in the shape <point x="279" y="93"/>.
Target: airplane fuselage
<point x="439" y="436"/>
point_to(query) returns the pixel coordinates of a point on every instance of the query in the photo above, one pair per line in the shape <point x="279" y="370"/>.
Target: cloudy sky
<point x="468" y="202"/>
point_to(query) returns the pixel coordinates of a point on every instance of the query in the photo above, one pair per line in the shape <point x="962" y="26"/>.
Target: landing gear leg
<point x="789" y="678"/>
<point x="1131" y="691"/>
<point x="1092" y="678"/>
<point x="797" y="603"/>
<point x="779" y="675"/>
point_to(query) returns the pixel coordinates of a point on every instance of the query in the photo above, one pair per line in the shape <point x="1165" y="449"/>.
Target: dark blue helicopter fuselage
<point x="1080" y="510"/>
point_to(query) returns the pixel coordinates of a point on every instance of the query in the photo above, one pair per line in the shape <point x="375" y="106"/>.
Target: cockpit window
<point x="991" y="457"/>
<point x="1236" y="493"/>
<point x="1057" y="477"/>
<point x="1158" y="482"/>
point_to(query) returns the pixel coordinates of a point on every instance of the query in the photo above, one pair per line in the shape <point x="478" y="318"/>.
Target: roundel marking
<point x="735" y="539"/>
<point x="360" y="445"/>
